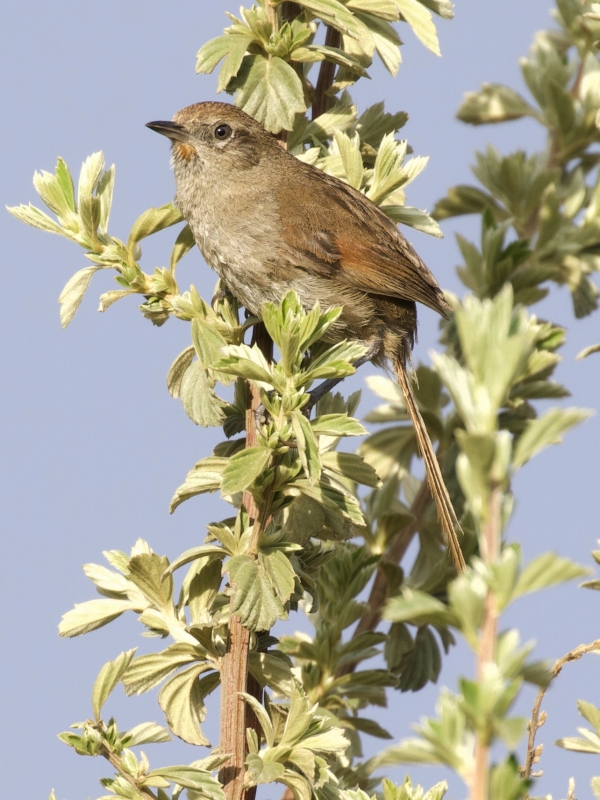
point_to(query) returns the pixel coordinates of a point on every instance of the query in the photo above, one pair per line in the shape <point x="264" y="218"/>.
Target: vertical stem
<point x="321" y="100"/>
<point x="235" y="715"/>
<point x="290" y="10"/>
<point x="487" y="643"/>
<point x="272" y="14"/>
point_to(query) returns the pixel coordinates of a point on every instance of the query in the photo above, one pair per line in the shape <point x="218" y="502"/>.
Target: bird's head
<point x="215" y="135"/>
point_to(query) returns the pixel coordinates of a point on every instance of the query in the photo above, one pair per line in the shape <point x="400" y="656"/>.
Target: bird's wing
<point x="335" y="231"/>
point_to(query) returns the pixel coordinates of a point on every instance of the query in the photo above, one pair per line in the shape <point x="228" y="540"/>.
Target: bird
<point x="267" y="222"/>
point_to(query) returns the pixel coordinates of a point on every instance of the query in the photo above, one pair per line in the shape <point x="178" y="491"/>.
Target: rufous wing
<point x="336" y="231"/>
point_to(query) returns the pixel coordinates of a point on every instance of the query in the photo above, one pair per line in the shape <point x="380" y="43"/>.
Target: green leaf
<point x="420" y="20"/>
<point x="308" y="450"/>
<point x="246" y="362"/>
<point x="506" y="782"/>
<point x="152" y="221"/>
<point x="182" y="700"/>
<point x="339" y="116"/>
<point x="319" y="52"/>
<point x="261" y="771"/>
<point x="464" y="199"/>
<point x="208" y="344"/>
<point x="146" y="570"/>
<point x="580" y="745"/>
<point x="445" y="8"/>
<point x="546" y="430"/>
<point x="494" y="103"/>
<point x="280" y="573"/>
<point x="349" y="150"/>
<point x="387" y="43"/>
<point x="262" y="716"/>
<point x="337" y="425"/>
<point x="107" y="679"/>
<point x="177" y="371"/>
<point x="205" y="476"/>
<point x="330" y="498"/>
<point x="88" y="205"/>
<point x="194" y="553"/>
<point x="590" y="712"/>
<point x="244" y="468"/>
<point x="71" y="296"/>
<point x="104" y="192"/>
<point x="231" y="47"/>
<point x="414" y="218"/>
<point x="145" y="733"/>
<point x="146" y="672"/>
<point x="86" y="617"/>
<point x="421" y="664"/>
<point x="199" y="401"/>
<point x="108" y="298"/>
<point x="31" y="215"/>
<point x="386" y="9"/>
<point x="272" y="669"/>
<point x="336" y="362"/>
<point x="183" y="244"/>
<point x="418" y="608"/>
<point x="254" y="601"/>
<point x="191" y="778"/>
<point x="270" y="91"/>
<point x="335" y="14"/>
<point x="203" y="590"/>
<point x="65" y="180"/>
<point x="544" y="571"/>
<point x="351" y="466"/>
<point x="368" y="726"/>
<point x="50" y="190"/>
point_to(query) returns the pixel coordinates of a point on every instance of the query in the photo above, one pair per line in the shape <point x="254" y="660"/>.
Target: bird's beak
<point x="172" y="130"/>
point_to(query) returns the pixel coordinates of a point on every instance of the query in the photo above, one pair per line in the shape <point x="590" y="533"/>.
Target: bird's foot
<point x="317" y="394"/>
<point x="221" y="294"/>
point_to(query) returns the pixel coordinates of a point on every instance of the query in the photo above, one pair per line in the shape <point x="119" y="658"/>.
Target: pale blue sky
<point x="93" y="445"/>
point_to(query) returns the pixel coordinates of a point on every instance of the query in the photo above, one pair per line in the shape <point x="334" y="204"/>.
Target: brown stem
<point x="379" y="591"/>
<point x="235" y="716"/>
<point x="479" y="789"/>
<point x="290" y="10"/>
<point x="115" y="761"/>
<point x="321" y="100"/>
<point x="538" y="718"/>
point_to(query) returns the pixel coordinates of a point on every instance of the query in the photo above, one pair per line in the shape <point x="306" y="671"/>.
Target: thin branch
<point x="235" y="716"/>
<point x="479" y="788"/>
<point x="321" y="100"/>
<point x="539" y="717"/>
<point x="115" y="761"/>
<point x="379" y="591"/>
<point x="289" y="11"/>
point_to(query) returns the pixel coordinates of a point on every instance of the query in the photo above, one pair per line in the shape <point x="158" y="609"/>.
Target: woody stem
<point x="236" y="715"/>
<point x="321" y="100"/>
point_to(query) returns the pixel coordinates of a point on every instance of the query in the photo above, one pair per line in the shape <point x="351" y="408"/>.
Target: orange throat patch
<point x="183" y="150"/>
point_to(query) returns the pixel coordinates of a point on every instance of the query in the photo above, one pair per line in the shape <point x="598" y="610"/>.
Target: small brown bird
<point x="267" y="222"/>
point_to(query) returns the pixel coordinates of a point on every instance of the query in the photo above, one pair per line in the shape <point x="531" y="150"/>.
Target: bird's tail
<point x="439" y="492"/>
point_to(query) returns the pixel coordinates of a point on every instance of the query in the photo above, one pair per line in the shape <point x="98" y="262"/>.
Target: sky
<point x="93" y="445"/>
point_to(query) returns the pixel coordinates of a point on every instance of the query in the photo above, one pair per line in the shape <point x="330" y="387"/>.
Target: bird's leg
<point x="374" y="347"/>
<point x="221" y="294"/>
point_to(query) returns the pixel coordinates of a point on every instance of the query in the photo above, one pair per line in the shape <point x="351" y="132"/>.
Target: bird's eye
<point x="222" y="132"/>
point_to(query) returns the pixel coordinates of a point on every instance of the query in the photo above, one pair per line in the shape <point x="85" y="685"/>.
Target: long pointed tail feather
<point x="439" y="492"/>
